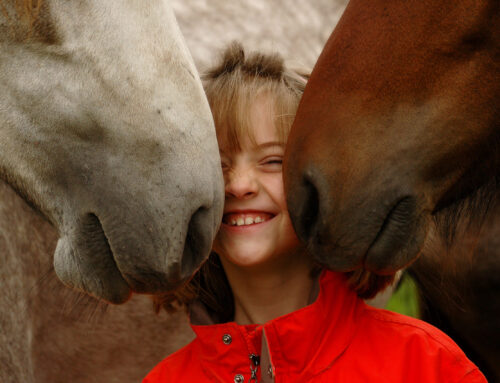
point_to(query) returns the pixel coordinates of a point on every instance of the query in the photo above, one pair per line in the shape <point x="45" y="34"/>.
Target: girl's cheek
<point x="275" y="183"/>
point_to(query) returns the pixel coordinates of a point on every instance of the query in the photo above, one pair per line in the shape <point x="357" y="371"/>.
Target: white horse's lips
<point x="83" y="260"/>
<point x="149" y="271"/>
<point x="111" y="262"/>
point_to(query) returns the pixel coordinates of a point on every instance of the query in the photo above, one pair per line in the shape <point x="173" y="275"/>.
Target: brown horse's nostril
<point x="304" y="209"/>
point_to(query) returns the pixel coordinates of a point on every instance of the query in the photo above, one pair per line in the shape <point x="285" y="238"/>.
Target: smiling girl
<point x="261" y="310"/>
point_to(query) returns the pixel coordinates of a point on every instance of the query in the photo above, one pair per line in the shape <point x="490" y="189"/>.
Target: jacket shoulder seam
<point x="444" y="340"/>
<point x="179" y="353"/>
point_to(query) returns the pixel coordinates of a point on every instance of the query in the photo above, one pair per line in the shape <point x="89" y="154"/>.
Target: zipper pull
<point x="255" y="359"/>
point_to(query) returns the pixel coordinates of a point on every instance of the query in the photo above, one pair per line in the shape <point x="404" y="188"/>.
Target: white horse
<point x="106" y="133"/>
<point x="105" y="129"/>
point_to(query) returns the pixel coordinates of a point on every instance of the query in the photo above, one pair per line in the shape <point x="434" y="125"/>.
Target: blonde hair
<point x="232" y="86"/>
<point x="237" y="81"/>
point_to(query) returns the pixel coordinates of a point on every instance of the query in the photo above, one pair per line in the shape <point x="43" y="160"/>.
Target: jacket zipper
<point x="254" y="366"/>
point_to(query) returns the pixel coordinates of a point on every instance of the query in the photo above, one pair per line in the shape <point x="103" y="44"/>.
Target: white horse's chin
<point x="90" y="270"/>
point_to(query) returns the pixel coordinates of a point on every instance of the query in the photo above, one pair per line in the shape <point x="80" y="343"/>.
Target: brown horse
<point x="398" y="136"/>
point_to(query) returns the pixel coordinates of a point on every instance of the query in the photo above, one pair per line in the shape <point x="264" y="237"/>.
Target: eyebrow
<point x="270" y="145"/>
<point x="265" y="145"/>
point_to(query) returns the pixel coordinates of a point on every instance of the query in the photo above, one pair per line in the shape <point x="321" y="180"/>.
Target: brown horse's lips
<point x="398" y="239"/>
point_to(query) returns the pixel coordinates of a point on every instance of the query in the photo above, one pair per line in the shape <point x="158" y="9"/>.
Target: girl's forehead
<point x="255" y="138"/>
<point x="252" y="121"/>
<point x="262" y="127"/>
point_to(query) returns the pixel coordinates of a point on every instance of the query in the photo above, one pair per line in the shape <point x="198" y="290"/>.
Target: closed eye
<point x="225" y="162"/>
<point x="272" y="164"/>
<point x="275" y="161"/>
<point x="224" y="165"/>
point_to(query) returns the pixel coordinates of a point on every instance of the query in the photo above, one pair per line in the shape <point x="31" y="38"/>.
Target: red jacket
<point x="338" y="338"/>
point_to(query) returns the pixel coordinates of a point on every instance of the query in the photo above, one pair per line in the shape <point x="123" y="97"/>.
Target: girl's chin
<point x="245" y="255"/>
<point x="245" y="263"/>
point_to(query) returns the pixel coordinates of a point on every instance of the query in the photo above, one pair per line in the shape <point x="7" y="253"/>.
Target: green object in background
<point x="405" y="298"/>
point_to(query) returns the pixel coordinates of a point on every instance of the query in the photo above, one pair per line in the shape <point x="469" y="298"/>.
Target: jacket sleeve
<point x="473" y="376"/>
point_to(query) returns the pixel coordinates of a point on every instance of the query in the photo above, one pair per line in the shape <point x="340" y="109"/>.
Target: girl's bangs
<point x="232" y="114"/>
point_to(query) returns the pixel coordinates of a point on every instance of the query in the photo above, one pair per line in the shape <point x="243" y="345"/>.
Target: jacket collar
<point x="302" y="343"/>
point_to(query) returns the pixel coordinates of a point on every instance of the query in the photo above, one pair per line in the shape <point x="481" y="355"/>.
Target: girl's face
<point x="256" y="227"/>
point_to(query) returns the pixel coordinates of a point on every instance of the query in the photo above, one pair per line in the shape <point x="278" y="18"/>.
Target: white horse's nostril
<point x="198" y="241"/>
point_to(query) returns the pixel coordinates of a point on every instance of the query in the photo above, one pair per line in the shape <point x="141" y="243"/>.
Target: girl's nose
<point x="241" y="184"/>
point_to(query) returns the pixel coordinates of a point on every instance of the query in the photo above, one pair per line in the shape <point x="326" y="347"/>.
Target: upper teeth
<point x="240" y="221"/>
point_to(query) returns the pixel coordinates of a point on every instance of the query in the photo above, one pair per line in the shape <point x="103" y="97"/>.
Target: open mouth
<point x="246" y="219"/>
